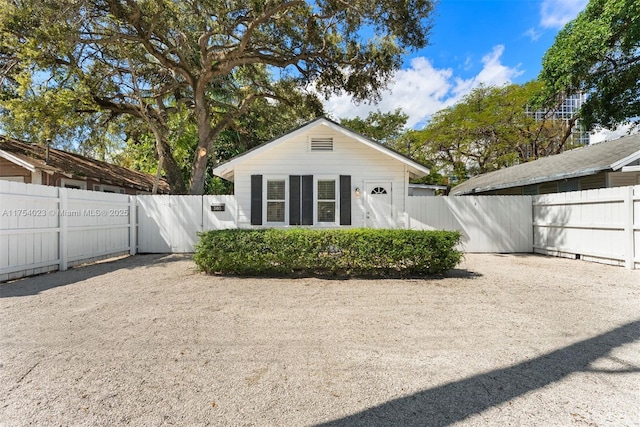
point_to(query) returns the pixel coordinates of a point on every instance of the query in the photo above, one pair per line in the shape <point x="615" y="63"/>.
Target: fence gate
<point x="170" y="224"/>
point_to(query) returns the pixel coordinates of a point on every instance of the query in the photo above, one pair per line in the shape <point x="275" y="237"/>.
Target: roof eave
<point x="15" y="160"/>
<point x="624" y="162"/>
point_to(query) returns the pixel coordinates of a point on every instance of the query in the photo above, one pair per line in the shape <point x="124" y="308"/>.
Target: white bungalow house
<point x="321" y="174"/>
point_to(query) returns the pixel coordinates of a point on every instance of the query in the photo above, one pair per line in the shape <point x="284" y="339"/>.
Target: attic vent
<point x="321" y="144"/>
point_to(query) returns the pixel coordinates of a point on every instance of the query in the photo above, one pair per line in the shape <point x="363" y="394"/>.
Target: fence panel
<point x="219" y="212"/>
<point x="97" y="223"/>
<point x="29" y="230"/>
<point x="488" y="223"/>
<point x="169" y="224"/>
<point x="596" y="225"/>
<point x="48" y="228"/>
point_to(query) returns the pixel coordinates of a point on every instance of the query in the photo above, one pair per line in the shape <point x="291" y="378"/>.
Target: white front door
<point x="379" y="205"/>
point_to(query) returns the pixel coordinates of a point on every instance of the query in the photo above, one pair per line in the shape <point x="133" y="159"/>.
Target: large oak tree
<point x="148" y="58"/>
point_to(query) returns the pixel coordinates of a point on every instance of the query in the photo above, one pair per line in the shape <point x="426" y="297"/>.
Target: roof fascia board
<point x="623" y="162"/>
<point x="17" y="161"/>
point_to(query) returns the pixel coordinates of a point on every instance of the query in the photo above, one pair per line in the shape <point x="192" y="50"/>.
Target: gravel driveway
<point x="148" y="341"/>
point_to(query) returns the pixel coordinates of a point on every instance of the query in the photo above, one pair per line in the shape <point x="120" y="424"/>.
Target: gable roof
<point x="226" y="170"/>
<point x="33" y="156"/>
<point x="588" y="160"/>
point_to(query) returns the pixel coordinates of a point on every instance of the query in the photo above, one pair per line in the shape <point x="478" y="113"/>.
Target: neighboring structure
<point x="567" y="111"/>
<point x="321" y="174"/>
<point x="419" y="190"/>
<point x="36" y="164"/>
<point x="607" y="164"/>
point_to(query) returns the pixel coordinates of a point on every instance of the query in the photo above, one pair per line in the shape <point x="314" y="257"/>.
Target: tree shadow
<point x="35" y="284"/>
<point x="459" y="400"/>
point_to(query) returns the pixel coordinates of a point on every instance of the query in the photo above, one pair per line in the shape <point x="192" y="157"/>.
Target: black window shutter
<point x="256" y="199"/>
<point x="345" y="199"/>
<point x="295" y="200"/>
<point x="307" y="200"/>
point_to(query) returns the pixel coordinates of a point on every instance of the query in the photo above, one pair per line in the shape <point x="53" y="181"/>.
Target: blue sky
<point x="473" y="42"/>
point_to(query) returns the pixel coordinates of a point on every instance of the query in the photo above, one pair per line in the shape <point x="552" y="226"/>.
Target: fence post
<point x="63" y="224"/>
<point x="629" y="228"/>
<point x="133" y="225"/>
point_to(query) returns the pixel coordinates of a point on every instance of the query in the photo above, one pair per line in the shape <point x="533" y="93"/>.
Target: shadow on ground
<point x="36" y="284"/>
<point x="457" y="401"/>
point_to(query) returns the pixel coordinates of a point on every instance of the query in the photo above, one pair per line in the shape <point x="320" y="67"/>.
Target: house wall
<point x="421" y="192"/>
<point x="621" y="179"/>
<point x="349" y="157"/>
<point x="59" y="180"/>
<point x="591" y="182"/>
<point x="9" y="169"/>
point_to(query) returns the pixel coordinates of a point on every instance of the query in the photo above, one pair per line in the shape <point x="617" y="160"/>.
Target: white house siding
<point x="350" y="157"/>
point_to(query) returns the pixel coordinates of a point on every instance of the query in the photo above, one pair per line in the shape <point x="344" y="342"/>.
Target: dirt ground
<point x="509" y="340"/>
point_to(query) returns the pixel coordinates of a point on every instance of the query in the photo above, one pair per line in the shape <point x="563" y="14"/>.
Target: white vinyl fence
<point x="49" y="228"/>
<point x="495" y="224"/>
<point x="595" y="225"/>
<point x="172" y="223"/>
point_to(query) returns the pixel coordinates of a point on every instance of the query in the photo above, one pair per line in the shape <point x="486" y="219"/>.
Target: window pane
<point x="326" y="211"/>
<point x="327" y="190"/>
<point x="275" y="190"/>
<point x="275" y="211"/>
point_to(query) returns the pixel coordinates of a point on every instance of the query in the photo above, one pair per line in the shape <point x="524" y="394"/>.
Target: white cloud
<point x="493" y="73"/>
<point x="556" y="13"/>
<point x="607" y="135"/>
<point x="422" y="89"/>
<point x="533" y="34"/>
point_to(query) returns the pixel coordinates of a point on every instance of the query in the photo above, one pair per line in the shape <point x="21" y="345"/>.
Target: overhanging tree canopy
<point x="598" y="53"/>
<point x="146" y="57"/>
<point x="490" y="128"/>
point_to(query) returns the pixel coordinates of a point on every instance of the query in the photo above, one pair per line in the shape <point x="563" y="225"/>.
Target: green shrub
<point x="302" y="251"/>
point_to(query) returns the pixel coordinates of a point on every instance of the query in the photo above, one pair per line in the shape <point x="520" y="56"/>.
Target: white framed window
<point x="326" y="199"/>
<point x="73" y="183"/>
<point x="108" y="188"/>
<point x="321" y="144"/>
<point x="276" y="189"/>
<point x="12" y="178"/>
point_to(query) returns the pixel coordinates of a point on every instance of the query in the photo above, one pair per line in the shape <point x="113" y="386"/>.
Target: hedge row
<point x="360" y="252"/>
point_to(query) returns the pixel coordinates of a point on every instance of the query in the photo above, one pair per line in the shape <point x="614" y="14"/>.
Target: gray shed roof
<point x="588" y="160"/>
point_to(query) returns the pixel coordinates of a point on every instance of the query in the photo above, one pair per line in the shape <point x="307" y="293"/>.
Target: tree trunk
<point x="169" y="164"/>
<point x="199" y="166"/>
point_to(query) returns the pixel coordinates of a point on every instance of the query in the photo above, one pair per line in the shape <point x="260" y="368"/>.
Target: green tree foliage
<point x="150" y="58"/>
<point x="598" y="53"/>
<point x="390" y="129"/>
<point x="385" y="128"/>
<point x="491" y="128"/>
